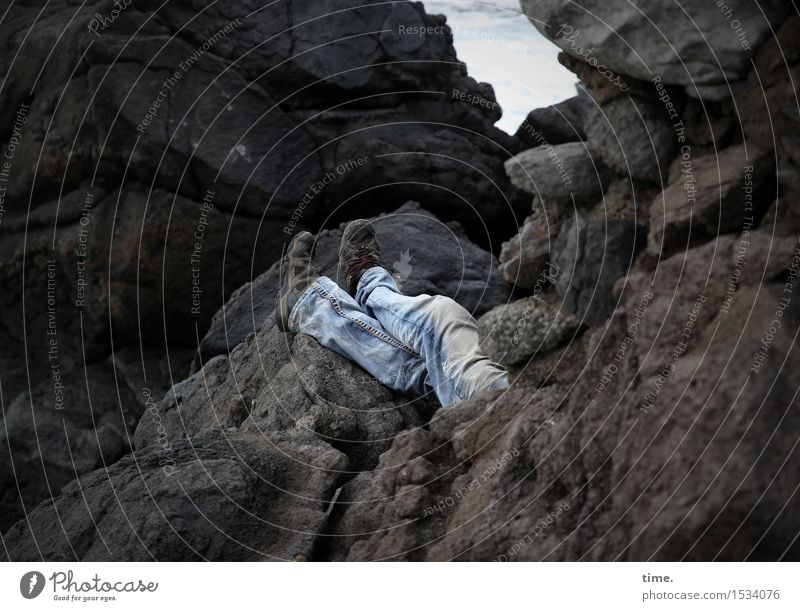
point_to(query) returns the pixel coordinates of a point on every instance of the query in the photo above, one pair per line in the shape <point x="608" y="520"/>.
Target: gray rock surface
<point x="524" y="258"/>
<point x="424" y="255"/>
<point x="49" y="437"/>
<point x="560" y="174"/>
<point x="693" y="44"/>
<point x="515" y="475"/>
<point x="285" y="382"/>
<point x="716" y="194"/>
<point x="513" y="333"/>
<point x="591" y="255"/>
<point x="557" y="123"/>
<point x="264" y="106"/>
<point x="633" y="137"/>
<point x="233" y="496"/>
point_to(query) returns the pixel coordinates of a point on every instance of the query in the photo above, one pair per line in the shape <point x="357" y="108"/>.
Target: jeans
<point x="410" y="344"/>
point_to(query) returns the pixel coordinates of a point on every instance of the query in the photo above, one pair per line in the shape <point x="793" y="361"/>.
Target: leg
<point x="437" y="328"/>
<point x="332" y="317"/>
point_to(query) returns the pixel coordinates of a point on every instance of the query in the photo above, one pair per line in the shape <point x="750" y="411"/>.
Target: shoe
<point x="298" y="274"/>
<point x="359" y="252"/>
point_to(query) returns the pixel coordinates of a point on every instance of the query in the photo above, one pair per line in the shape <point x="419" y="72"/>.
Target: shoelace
<point x="362" y="260"/>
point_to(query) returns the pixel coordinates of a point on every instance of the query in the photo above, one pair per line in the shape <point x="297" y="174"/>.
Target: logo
<point x="401" y="269"/>
<point x="31" y="584"/>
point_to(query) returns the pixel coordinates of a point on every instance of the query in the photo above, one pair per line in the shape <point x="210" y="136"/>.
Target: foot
<point x="359" y="252"/>
<point x="298" y="274"/>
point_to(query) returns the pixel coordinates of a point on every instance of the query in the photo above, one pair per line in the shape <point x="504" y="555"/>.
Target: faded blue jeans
<point x="410" y="344"/>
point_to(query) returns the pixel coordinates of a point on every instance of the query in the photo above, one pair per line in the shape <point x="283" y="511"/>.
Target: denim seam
<point x="366" y="326"/>
<point x="456" y="390"/>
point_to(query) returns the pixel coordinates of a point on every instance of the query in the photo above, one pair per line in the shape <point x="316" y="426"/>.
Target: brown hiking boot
<point x="359" y="252"/>
<point x="297" y="274"/>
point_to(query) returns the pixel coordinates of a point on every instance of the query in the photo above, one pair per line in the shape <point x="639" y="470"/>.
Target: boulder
<point x="52" y="435"/>
<point x="233" y="496"/>
<point x="714" y="194"/>
<point x="563" y="174"/>
<point x="557" y="123"/>
<point x="701" y="45"/>
<point x="302" y="115"/>
<point x="513" y="333"/>
<point x="512" y="475"/>
<point x="424" y="255"/>
<point x="277" y="381"/>
<point x="590" y="256"/>
<point x="633" y="137"/>
<point x="524" y="259"/>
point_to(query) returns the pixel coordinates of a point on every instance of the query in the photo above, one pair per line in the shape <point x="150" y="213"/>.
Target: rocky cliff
<point x="644" y="299"/>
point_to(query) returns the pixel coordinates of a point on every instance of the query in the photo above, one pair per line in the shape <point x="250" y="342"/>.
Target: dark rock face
<point x="236" y="496"/>
<point x="233" y="123"/>
<point x="556" y="124"/>
<point x="633" y="137"/>
<point x="284" y="382"/>
<point x="652" y="414"/>
<point x="424" y="255"/>
<point x="48" y="439"/>
<point x="590" y="256"/>
<point x="701" y="51"/>
<point x="717" y="193"/>
<point x="515" y="475"/>
<point x="559" y="175"/>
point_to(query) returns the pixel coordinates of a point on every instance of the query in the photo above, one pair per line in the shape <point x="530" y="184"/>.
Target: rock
<point x="51" y="436"/>
<point x="559" y="175"/>
<point x="241" y="115"/>
<point x="513" y="333"/>
<point x="768" y="116"/>
<point x="633" y="137"/>
<point x="285" y="382"/>
<point x="423" y="254"/>
<point x="591" y="255"/>
<point x="524" y="259"/>
<point x="516" y="472"/>
<point x="233" y="496"/>
<point x="604" y="86"/>
<point x="625" y="200"/>
<point x="556" y="124"/>
<point x="703" y="48"/>
<point x="711" y="197"/>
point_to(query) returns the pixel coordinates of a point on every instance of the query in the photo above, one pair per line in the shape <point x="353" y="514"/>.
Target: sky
<point x="500" y="46"/>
